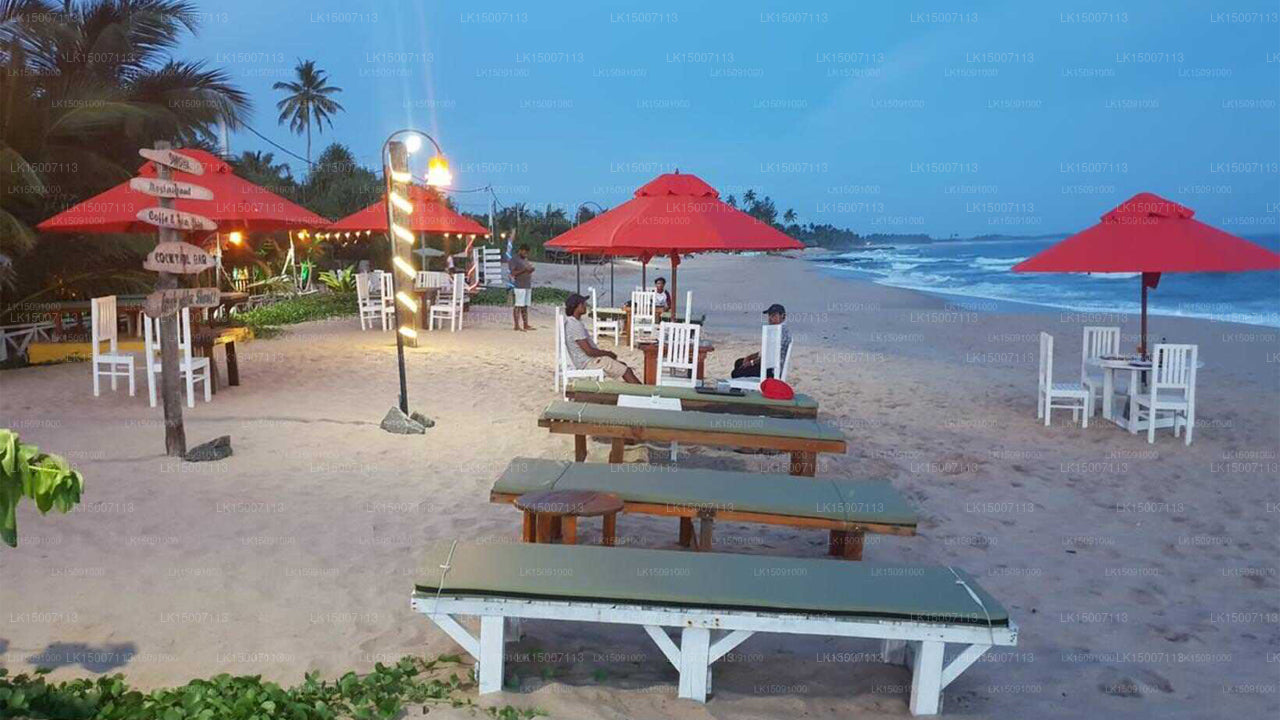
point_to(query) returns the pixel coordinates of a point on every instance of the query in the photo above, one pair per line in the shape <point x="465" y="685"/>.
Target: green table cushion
<point x="802" y="428"/>
<point x="706" y="580"/>
<point x="751" y="397"/>
<point x="866" y="501"/>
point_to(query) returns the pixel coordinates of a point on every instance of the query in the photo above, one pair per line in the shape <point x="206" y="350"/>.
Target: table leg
<point x="543" y="532"/>
<point x="686" y="532"/>
<point x="804" y="463"/>
<point x="1108" y="391"/>
<point x="853" y="545"/>
<point x="557" y="528"/>
<point x="835" y="544"/>
<point x="650" y="367"/>
<point x="706" y="526"/>
<point x="569" y="525"/>
<point x="580" y="448"/>
<point x="609" y="533"/>
<point x="702" y="366"/>
<point x="528" y="533"/>
<point x="233" y="365"/>
<point x="1133" y="402"/>
<point x="615" y="450"/>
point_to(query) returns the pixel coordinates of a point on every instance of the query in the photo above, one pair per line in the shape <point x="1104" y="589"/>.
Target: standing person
<point x="749" y="366"/>
<point x="583" y="354"/>
<point x="522" y="276"/>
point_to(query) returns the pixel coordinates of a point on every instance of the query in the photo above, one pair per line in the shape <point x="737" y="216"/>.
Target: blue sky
<point x="965" y="118"/>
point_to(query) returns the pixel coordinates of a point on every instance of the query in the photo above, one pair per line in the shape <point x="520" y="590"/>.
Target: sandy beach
<point x="1143" y="577"/>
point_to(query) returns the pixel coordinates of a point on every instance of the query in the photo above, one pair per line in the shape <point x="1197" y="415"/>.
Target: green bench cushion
<point x="801" y="428"/>
<point x="751" y="397"/>
<point x="866" y="501"/>
<point x="706" y="580"/>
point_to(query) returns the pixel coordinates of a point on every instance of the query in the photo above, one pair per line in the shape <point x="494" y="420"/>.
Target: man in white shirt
<point x="583" y="353"/>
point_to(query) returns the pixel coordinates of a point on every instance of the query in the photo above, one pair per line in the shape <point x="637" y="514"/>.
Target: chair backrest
<point x="104" y="321"/>
<point x="644" y="306"/>
<point x="562" y="350"/>
<point x="771" y="351"/>
<point x="786" y="360"/>
<point x="459" y="291"/>
<point x="362" y="287"/>
<point x="1098" y="341"/>
<point x="386" y="281"/>
<point x="1046" y="360"/>
<point x="151" y="335"/>
<point x="595" y="317"/>
<point x="1174" y="367"/>
<point x="678" y="351"/>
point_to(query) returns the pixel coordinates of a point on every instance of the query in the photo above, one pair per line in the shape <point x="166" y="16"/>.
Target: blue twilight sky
<point x="1018" y="117"/>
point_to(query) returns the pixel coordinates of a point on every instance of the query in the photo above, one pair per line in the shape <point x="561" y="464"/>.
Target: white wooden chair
<point x="688" y="305"/>
<point x="450" y="307"/>
<point x="644" y="315"/>
<point x="770" y="361"/>
<point x="1075" y="396"/>
<point x="1172" y="389"/>
<point x="678" y="354"/>
<point x="193" y="369"/>
<point x="654" y="402"/>
<point x="369" y="299"/>
<point x="105" y="324"/>
<point x="603" y="327"/>
<point x="1098" y="341"/>
<point x="565" y="371"/>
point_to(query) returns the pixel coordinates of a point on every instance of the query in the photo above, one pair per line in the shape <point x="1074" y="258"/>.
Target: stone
<point x="216" y="449"/>
<point x="422" y="420"/>
<point x="401" y="424"/>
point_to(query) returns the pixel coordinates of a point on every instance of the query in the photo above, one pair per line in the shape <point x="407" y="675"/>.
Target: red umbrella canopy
<point x="430" y="214"/>
<point x="1149" y="234"/>
<point x="237" y="204"/>
<point x="674" y="213"/>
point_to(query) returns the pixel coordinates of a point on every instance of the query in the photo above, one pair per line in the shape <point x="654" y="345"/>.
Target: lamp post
<point x="395" y="171"/>
<point x="577" y="257"/>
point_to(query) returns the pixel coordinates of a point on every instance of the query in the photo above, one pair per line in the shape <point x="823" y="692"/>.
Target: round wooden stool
<point x="553" y="515"/>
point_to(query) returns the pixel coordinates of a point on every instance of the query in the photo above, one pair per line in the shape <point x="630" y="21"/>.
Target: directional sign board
<point x="178" y="257"/>
<point x="170" y="189"/>
<point x="175" y="219"/>
<point x="162" y="303"/>
<point x="174" y="160"/>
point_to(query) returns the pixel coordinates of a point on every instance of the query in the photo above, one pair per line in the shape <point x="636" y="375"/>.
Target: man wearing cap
<point x="749" y="366"/>
<point x="583" y="354"/>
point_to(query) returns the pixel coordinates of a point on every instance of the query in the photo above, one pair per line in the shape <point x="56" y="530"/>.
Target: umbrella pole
<point x="577" y="268"/>
<point x="1142" y="341"/>
<point x="675" y="292"/>
<point x="611" y="282"/>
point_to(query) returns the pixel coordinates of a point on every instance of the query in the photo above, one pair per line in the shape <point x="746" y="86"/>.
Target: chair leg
<point x="489" y="672"/>
<point x="926" y="679"/>
<point x="1048" y="409"/>
<point x="1151" y="425"/>
<point x="191" y="388"/>
<point x="131" y="380"/>
<point x="151" y="384"/>
<point x="694" y="666"/>
<point x="97" y="382"/>
<point x="208" y="377"/>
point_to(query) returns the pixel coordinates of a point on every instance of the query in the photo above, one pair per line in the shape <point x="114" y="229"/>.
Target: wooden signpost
<point x="170" y="189"/>
<point x="171" y="258"/>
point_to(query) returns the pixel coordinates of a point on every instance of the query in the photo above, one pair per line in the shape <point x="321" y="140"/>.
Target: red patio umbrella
<point x="674" y="213"/>
<point x="1151" y="235"/>
<point x="430" y="214"/>
<point x="237" y="204"/>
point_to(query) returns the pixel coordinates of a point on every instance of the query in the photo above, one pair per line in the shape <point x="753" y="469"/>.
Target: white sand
<point x="1132" y="569"/>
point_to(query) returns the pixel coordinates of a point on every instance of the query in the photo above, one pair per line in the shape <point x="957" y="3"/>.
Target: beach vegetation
<point x="45" y="479"/>
<point x="265" y="320"/>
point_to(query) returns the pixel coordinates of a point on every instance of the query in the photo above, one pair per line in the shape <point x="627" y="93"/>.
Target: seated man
<point x="749" y="366"/>
<point x="583" y="354"/>
<point x="663" y="302"/>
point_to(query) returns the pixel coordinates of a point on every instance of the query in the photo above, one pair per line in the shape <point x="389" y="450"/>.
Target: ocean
<point x="980" y="269"/>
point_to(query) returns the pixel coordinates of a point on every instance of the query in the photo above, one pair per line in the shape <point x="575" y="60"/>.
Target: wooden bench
<point x="804" y="439"/>
<point x="714" y="602"/>
<point x="846" y="508"/>
<point x="751" y="402"/>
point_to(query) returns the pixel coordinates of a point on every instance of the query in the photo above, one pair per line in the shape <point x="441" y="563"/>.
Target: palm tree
<point x="789" y="217"/>
<point x="308" y="101"/>
<point x="83" y="85"/>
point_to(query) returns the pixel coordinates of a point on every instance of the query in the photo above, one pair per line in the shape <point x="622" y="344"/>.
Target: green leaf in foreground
<point x="383" y="694"/>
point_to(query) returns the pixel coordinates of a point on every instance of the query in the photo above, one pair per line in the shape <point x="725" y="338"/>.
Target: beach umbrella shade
<point x="237" y="204"/>
<point x="671" y="215"/>
<point x="1150" y="235"/>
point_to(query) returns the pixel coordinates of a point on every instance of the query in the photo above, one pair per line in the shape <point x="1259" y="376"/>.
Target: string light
<point x="408" y="332"/>
<point x="402" y="233"/>
<point x="407" y="301"/>
<point x="404" y="267"/>
<point x="404" y="205"/>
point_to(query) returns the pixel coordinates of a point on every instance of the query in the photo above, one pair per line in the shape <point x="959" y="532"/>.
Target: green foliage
<point x="26" y="472"/>
<point x="382" y="694"/>
<point x="292" y="311"/>
<point x="343" y="280"/>
<point x="502" y="296"/>
<point x="338" y="185"/>
<point x="308" y="101"/>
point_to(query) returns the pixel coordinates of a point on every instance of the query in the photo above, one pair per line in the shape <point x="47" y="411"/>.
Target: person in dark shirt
<point x="522" y="277"/>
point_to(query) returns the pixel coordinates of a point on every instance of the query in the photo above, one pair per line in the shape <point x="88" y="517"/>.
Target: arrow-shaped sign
<point x="170" y="189"/>
<point x="175" y="219"/>
<point x="174" y="160"/>
<point x="178" y="257"/>
<point x="167" y="302"/>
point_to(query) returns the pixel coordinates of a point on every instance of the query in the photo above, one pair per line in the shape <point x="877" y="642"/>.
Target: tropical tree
<point x="789" y="217"/>
<point x="308" y="101"/>
<point x="83" y="85"/>
<point x="338" y="186"/>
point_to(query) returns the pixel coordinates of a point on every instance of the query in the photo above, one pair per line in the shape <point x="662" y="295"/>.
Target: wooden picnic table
<point x="650" y="350"/>
<point x="553" y="515"/>
<point x="803" y="439"/>
<point x="750" y="402"/>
